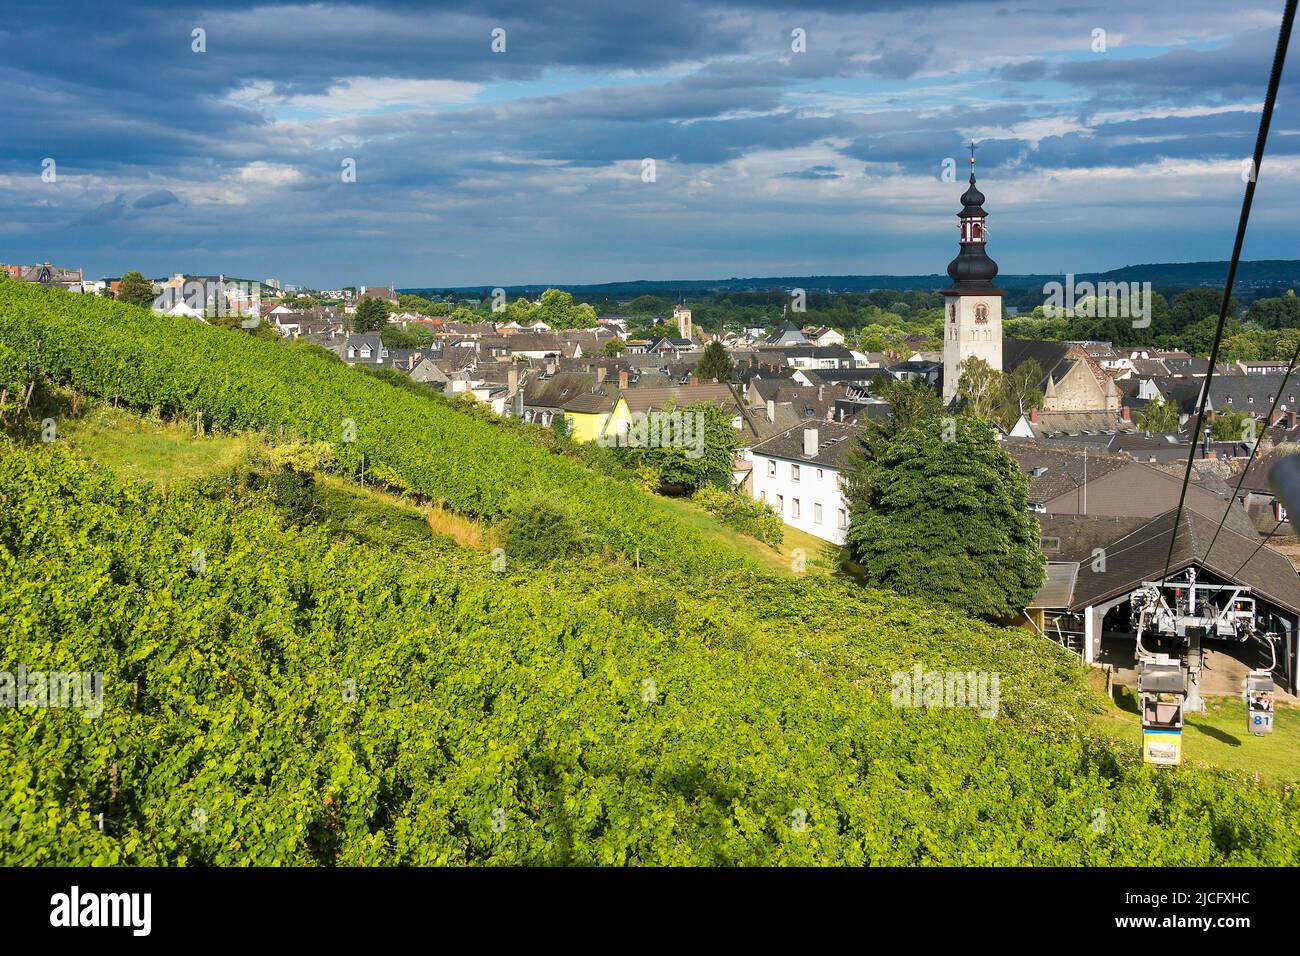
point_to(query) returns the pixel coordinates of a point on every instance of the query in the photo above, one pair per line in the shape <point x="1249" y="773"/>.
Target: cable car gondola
<point x="1162" y="692"/>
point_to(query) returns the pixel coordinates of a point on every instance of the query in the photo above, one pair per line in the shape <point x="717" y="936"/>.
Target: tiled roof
<point x="653" y="399"/>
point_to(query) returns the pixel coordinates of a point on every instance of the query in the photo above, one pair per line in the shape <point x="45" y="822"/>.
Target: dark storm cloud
<point x="552" y="132"/>
<point x="1235" y="71"/>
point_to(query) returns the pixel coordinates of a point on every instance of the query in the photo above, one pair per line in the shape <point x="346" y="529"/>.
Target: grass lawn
<point x="816" y="552"/>
<point x="141" y="448"/>
<point x="1218" y="737"/>
<point x="382" y="520"/>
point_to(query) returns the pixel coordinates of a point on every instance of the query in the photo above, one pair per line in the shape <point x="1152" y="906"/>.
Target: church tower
<point x="972" y="321"/>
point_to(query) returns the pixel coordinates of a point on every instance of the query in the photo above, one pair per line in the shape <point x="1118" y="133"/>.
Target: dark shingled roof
<point x="554" y="391"/>
<point x="834" y="440"/>
<point x="1062" y="468"/>
<point x="1058" y="585"/>
<point x="654" y="399"/>
<point x="1048" y="355"/>
<point x="590" y="403"/>
<point x="1235" y="558"/>
<point x="1077" y="536"/>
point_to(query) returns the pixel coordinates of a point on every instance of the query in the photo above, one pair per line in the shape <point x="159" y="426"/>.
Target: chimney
<point x="1290" y="421"/>
<point x="600" y="374"/>
<point x="1125" y="414"/>
<point x="810" y="442"/>
<point x="830" y="414"/>
<point x="1033" y="415"/>
<point x="771" y="410"/>
<point x="512" y="380"/>
<point x="694" y="380"/>
<point x="622" y="379"/>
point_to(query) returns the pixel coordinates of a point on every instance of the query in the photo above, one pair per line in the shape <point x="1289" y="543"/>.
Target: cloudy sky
<point x="785" y="139"/>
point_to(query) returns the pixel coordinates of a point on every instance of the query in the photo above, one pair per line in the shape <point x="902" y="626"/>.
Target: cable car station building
<point x="1223" y="597"/>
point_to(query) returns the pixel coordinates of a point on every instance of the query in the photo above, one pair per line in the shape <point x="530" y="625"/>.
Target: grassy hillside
<point x="347" y="692"/>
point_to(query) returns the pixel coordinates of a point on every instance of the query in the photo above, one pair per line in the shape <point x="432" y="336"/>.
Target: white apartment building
<point x="798" y="473"/>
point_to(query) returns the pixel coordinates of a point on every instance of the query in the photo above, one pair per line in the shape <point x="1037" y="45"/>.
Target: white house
<point x="798" y="473"/>
<point x="823" y="336"/>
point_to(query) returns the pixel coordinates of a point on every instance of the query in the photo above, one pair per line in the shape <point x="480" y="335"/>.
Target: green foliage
<point x="371" y="315"/>
<point x="735" y="510"/>
<point x="537" y="530"/>
<point x="1279" y="313"/>
<point x="945" y="515"/>
<point x="556" y="309"/>
<point x="997" y="396"/>
<point x="715" y="364"/>
<point x="135" y="289"/>
<point x="317" y="702"/>
<point x="910" y="404"/>
<point x="415" y="303"/>
<point x="1233" y="426"/>
<point x="706" y="456"/>
<point x="1159" y="417"/>
<point x="13" y="375"/>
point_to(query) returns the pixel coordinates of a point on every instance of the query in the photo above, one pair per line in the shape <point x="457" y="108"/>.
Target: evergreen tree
<point x="715" y="364"/>
<point x="371" y="315"/>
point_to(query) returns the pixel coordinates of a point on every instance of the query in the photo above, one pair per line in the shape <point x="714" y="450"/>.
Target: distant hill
<point x="1266" y="273"/>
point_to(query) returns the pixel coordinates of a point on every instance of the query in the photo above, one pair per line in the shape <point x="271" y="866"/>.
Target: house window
<point x="780" y="504"/>
<point x="771" y="469"/>
<point x="819" y="474"/>
<point x="794" y="472"/>
<point x="817" y="514"/>
<point x="1279" y="510"/>
<point x="794" y="507"/>
<point x="842" y="519"/>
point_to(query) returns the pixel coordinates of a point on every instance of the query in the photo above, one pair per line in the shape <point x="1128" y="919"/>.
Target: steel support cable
<point x="1266" y="118"/>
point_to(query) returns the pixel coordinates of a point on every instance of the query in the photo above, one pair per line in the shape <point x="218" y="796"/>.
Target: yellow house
<point x="592" y="414"/>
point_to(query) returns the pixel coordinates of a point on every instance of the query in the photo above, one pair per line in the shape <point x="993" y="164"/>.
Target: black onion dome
<point x="972" y="200"/>
<point x="972" y="270"/>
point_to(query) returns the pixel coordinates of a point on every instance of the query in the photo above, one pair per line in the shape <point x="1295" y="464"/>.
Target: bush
<point x="538" y="530"/>
<point x="754" y="518"/>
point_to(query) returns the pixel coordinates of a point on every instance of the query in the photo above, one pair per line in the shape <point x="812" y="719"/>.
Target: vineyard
<point x="276" y="695"/>
<point x="178" y="368"/>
